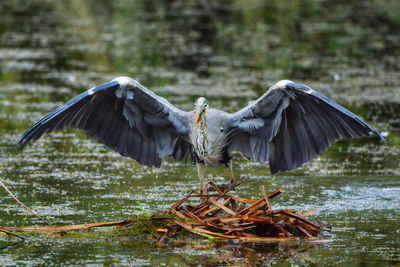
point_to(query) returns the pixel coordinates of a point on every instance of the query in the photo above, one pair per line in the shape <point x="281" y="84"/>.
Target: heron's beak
<point x="198" y="120"/>
<point x="199" y="111"/>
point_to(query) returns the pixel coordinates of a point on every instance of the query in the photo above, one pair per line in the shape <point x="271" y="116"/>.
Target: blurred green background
<point x="231" y="52"/>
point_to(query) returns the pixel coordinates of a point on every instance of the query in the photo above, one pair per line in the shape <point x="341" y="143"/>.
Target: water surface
<point x="230" y="52"/>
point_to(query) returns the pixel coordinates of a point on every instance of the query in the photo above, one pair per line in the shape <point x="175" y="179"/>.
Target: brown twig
<point x="253" y="221"/>
<point x="266" y="197"/>
<point x="221" y="217"/>
<point x="22" y="204"/>
<point x="222" y="206"/>
<point x="65" y="227"/>
<point x="5" y="232"/>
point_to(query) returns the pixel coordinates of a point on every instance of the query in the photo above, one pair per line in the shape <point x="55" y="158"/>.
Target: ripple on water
<point x="231" y="53"/>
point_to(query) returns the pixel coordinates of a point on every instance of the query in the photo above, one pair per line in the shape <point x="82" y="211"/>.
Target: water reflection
<point x="191" y="253"/>
<point x="10" y="244"/>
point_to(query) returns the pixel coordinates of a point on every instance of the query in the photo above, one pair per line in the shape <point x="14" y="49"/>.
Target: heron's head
<point x="200" y="108"/>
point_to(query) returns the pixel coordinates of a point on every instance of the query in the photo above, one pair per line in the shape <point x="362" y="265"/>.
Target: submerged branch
<point x="219" y="217"/>
<point x="22" y="204"/>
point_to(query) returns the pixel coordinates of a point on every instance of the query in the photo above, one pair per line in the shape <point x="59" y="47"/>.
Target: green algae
<point x="230" y="52"/>
<point x="142" y="228"/>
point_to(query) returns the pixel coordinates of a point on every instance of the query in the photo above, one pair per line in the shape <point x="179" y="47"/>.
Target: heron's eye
<point x="206" y="106"/>
<point x="221" y="129"/>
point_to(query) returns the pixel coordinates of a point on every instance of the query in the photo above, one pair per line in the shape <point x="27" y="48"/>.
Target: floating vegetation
<point x="221" y="216"/>
<point x="218" y="216"/>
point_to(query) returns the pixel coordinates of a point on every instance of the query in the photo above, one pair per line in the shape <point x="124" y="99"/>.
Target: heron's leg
<point x="231" y="172"/>
<point x="200" y="172"/>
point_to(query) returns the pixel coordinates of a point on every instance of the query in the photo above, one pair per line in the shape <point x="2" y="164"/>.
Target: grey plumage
<point x="126" y="117"/>
<point x="287" y="126"/>
<point x="299" y="124"/>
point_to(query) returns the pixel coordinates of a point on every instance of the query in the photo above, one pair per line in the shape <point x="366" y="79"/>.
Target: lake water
<point x="231" y="52"/>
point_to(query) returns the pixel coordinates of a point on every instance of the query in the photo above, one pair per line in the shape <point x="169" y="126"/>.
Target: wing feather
<point x="291" y="124"/>
<point x="126" y="117"/>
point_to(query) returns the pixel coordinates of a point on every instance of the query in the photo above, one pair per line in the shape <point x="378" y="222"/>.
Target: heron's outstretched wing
<point x="126" y="117"/>
<point x="291" y="124"/>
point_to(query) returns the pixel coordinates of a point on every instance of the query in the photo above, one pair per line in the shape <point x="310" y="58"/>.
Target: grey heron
<point x="287" y="126"/>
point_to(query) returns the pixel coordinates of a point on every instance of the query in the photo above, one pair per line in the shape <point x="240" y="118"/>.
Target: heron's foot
<point x="222" y="187"/>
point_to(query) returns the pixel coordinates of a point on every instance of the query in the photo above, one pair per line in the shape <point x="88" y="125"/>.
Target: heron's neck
<point x="201" y="140"/>
<point x="202" y="126"/>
